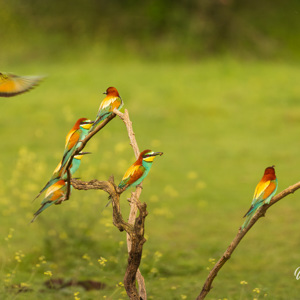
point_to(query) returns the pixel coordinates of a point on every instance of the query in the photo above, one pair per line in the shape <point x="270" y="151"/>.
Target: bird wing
<point x="73" y="140"/>
<point x="270" y="191"/>
<point x="259" y="191"/>
<point x="109" y="105"/>
<point x="69" y="137"/>
<point x="69" y="149"/>
<point x="132" y="174"/>
<point x="105" y="104"/>
<point x="117" y="103"/>
<point x="54" y="187"/>
<point x="11" y="85"/>
<point x="54" y="178"/>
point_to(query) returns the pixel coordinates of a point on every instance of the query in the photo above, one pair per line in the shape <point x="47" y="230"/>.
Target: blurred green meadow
<point x="219" y="122"/>
<point x="214" y="85"/>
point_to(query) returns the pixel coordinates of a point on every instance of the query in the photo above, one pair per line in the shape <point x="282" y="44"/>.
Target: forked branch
<point x="135" y="226"/>
<point x="134" y="199"/>
<point x="135" y="231"/>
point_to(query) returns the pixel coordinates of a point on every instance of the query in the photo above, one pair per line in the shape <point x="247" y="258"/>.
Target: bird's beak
<point x="157" y="153"/>
<point x="105" y="93"/>
<point x="84" y="153"/>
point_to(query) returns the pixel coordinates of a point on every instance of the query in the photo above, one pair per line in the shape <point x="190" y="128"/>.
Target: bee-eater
<point x="12" y="85"/>
<point x="111" y="101"/>
<point x="56" y="192"/>
<point x="263" y="193"/>
<point x="78" y="132"/>
<point x="139" y="170"/>
<point x="57" y="174"/>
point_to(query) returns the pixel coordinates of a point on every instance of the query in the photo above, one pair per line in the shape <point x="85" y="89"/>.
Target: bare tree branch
<point x="134" y="199"/>
<point x="92" y="133"/>
<point x="241" y="233"/>
<point x="135" y="230"/>
<point x="125" y="118"/>
<point x="110" y="188"/>
<point x="135" y="226"/>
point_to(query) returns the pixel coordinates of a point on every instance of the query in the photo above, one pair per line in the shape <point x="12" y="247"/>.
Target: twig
<point x="241" y="233"/>
<point x="92" y="133"/>
<point x="125" y="118"/>
<point x="134" y="199"/>
<point x="68" y="184"/>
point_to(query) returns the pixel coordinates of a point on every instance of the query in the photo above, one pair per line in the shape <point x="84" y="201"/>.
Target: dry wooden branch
<point x="137" y="241"/>
<point x="110" y="188"/>
<point x="241" y="233"/>
<point x="135" y="230"/>
<point x="92" y="133"/>
<point x="135" y="227"/>
<point x="134" y="199"/>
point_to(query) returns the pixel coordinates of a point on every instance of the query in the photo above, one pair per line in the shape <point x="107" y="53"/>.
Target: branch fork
<point x="135" y="225"/>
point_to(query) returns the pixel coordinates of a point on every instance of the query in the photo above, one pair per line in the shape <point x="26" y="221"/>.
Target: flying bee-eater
<point x="12" y="85"/>
<point x="56" y="192"/>
<point x="78" y="132"/>
<point x="263" y="193"/>
<point x="111" y="101"/>
<point x="139" y="170"/>
<point x="57" y="174"/>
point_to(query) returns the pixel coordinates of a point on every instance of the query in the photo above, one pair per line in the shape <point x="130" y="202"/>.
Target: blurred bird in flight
<point x="263" y="194"/>
<point x="12" y="85"/>
<point x="111" y="101"/>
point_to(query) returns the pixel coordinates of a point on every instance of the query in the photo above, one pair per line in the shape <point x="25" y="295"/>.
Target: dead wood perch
<point x="227" y="254"/>
<point x="135" y="231"/>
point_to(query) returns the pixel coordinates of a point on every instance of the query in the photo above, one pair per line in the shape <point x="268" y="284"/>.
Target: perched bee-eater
<point x="111" y="101"/>
<point x="12" y="85"/>
<point x="139" y="170"/>
<point x="75" y="135"/>
<point x="57" y="174"/>
<point x="56" y="192"/>
<point x="263" y="194"/>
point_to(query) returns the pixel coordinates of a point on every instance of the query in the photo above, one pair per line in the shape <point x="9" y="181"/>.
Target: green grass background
<point x="220" y="122"/>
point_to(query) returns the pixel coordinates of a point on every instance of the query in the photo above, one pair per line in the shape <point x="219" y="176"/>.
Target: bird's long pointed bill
<point x="84" y="153"/>
<point x="157" y="153"/>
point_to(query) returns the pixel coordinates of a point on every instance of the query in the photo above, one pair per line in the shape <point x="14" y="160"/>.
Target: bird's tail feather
<point x="248" y="219"/>
<point x="253" y="208"/>
<point x="43" y="207"/>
